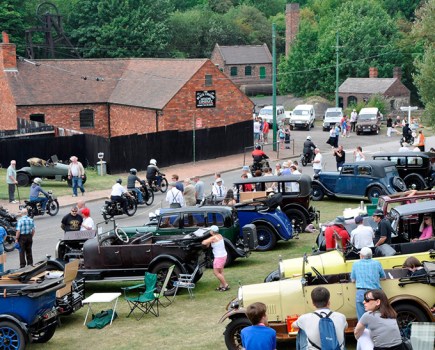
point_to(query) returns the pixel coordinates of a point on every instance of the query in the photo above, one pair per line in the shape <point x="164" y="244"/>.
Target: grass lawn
<point x="186" y="324"/>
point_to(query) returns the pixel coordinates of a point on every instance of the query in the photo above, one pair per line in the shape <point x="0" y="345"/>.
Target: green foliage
<point x="12" y="19"/>
<point x="268" y="7"/>
<point x="220" y="6"/>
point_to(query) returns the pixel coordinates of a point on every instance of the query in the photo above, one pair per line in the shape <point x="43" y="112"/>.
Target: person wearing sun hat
<point x="384" y="229"/>
<point x="334" y="231"/>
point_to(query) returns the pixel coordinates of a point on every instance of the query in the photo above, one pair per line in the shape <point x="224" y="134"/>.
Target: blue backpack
<point x="328" y="337"/>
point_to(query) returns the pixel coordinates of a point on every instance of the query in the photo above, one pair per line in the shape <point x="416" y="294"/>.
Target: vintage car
<point x="45" y="169"/>
<point x="369" y="179"/>
<point x="239" y="241"/>
<point x="296" y="196"/>
<point x="415" y="168"/>
<point x="387" y="202"/>
<point x="113" y="255"/>
<point x="287" y="299"/>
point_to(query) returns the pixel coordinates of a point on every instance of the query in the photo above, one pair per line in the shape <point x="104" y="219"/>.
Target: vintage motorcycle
<point x="163" y="184"/>
<point x="147" y="193"/>
<point x="35" y="208"/>
<point x="112" y="208"/>
<point x="307" y="157"/>
<point x="9" y="222"/>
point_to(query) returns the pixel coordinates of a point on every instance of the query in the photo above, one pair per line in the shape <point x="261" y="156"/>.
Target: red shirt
<point x="330" y="239"/>
<point x="265" y="127"/>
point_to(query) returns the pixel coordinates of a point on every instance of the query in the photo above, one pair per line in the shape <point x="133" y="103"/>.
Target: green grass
<point x="60" y="188"/>
<point x="186" y="324"/>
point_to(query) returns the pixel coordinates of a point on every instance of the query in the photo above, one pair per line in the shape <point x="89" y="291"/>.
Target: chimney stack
<point x="291" y="25"/>
<point x="373" y="72"/>
<point x="397" y="73"/>
<point x="8" y="54"/>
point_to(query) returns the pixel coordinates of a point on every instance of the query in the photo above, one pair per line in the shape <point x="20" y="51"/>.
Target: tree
<point x="12" y="22"/>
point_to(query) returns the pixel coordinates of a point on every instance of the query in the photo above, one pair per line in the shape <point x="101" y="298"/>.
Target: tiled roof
<point x="366" y="85"/>
<point x="148" y="83"/>
<point x="246" y="54"/>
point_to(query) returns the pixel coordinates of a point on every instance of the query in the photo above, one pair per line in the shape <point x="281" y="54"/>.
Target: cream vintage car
<point x="289" y="298"/>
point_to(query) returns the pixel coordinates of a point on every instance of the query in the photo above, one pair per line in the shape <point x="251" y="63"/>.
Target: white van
<point x="303" y="116"/>
<point x="266" y="113"/>
<point x="332" y="116"/>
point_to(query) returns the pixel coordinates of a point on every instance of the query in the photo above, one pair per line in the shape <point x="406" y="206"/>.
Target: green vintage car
<point x="289" y="298"/>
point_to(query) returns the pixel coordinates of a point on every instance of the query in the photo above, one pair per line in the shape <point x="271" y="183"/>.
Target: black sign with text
<point x="206" y="99"/>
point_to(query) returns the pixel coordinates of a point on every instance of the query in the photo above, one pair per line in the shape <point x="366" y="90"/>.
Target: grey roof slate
<point x="246" y="54"/>
<point x="366" y="85"/>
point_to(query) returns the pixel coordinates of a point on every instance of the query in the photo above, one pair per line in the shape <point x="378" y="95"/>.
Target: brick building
<point x="248" y="66"/>
<point x="355" y="90"/>
<point x="115" y="97"/>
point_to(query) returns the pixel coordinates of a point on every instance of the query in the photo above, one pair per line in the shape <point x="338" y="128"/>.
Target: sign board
<point x="206" y="99"/>
<point x="198" y="123"/>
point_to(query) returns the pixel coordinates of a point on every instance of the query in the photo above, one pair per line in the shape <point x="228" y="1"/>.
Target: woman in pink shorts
<point x="220" y="256"/>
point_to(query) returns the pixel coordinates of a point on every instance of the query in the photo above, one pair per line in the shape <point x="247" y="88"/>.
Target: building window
<point x="262" y="72"/>
<point x="233" y="71"/>
<point x="208" y="80"/>
<point x="352" y="100"/>
<point x="87" y="118"/>
<point x="248" y="70"/>
<point x="37" y="118"/>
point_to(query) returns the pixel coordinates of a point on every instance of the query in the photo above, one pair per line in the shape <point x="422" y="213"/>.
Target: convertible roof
<point x="416" y="208"/>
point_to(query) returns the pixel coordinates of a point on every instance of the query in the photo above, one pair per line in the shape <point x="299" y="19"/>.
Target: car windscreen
<point x="362" y="117"/>
<point x="300" y="112"/>
<point x="266" y="111"/>
<point x="333" y="114"/>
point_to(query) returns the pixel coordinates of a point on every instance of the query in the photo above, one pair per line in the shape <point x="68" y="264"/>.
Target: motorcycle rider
<point x="35" y="189"/>
<point x="117" y="194"/>
<point x="406" y="133"/>
<point x="153" y="173"/>
<point x="259" y="158"/>
<point x="309" y="146"/>
<point x="131" y="181"/>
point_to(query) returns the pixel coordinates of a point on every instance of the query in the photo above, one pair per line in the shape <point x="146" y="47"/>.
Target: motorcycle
<point x="307" y="158"/>
<point x="409" y="140"/>
<point x="35" y="208"/>
<point x="9" y="222"/>
<point x="112" y="208"/>
<point x="163" y="184"/>
<point x="147" y="193"/>
<point x="264" y="163"/>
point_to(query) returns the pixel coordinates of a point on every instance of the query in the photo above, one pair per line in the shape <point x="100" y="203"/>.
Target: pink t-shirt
<point x="426" y="233"/>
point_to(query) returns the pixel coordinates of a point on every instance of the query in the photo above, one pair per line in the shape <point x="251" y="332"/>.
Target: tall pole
<point x="193" y="137"/>
<point x="336" y="72"/>
<point x="274" y="84"/>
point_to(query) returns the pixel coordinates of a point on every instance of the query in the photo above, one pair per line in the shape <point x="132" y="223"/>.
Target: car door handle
<point x="340" y="293"/>
<point x="117" y="252"/>
<point x="148" y="250"/>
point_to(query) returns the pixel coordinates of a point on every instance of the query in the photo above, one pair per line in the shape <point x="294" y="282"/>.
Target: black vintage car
<point x="296" y="196"/>
<point x="414" y="168"/>
<point x="112" y="255"/>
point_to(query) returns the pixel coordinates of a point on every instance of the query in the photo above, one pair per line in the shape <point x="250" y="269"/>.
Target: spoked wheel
<point x="406" y="315"/>
<point x="11" y="336"/>
<point x="233" y="339"/>
<point x="53" y="207"/>
<point x="374" y="192"/>
<point x="9" y="242"/>
<point x="164" y="185"/>
<point x="266" y="238"/>
<point x="317" y="193"/>
<point x="298" y="220"/>
<point x="46" y="335"/>
<point x="161" y="270"/>
<point x="131" y="206"/>
<point x="150" y="199"/>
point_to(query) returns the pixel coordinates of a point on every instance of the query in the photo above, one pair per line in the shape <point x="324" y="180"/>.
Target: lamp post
<point x="409" y="109"/>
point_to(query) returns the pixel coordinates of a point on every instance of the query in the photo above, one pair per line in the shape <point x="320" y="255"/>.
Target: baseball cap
<point x="358" y="219"/>
<point x="214" y="228"/>
<point x="378" y="212"/>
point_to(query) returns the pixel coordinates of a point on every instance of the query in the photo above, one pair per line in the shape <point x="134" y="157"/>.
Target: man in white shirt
<point x="219" y="191"/>
<point x="117" y="194"/>
<point x="362" y="236"/>
<point x="174" y="196"/>
<point x="308" y="324"/>
<point x="257" y="127"/>
<point x="317" y="162"/>
<point x="294" y="184"/>
<point x="353" y="119"/>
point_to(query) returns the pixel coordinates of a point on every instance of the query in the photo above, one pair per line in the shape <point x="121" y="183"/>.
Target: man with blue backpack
<point x="322" y="329"/>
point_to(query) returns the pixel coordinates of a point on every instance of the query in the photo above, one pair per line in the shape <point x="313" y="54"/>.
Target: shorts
<point x="219" y="263"/>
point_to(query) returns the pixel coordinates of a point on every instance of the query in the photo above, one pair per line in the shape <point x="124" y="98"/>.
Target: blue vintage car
<point x="369" y="179"/>
<point x="271" y="223"/>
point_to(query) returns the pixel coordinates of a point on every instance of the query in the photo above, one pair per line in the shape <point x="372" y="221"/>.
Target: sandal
<point x="224" y="289"/>
<point x="219" y="289"/>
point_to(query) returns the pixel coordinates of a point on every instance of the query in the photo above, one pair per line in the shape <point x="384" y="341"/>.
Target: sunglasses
<point x="73" y="211"/>
<point x="366" y="299"/>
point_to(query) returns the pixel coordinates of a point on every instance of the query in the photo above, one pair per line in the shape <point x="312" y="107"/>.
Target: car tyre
<point x="272" y="277"/>
<point x="232" y="334"/>
<point x="12" y="336"/>
<point x="407" y="314"/>
<point x="399" y="184"/>
<point x="266" y="238"/>
<point x="414" y="183"/>
<point x="374" y="192"/>
<point x="298" y="219"/>
<point x="318" y="193"/>
<point x="9" y="242"/>
<point x="46" y="335"/>
<point x="23" y="179"/>
<point x="161" y="269"/>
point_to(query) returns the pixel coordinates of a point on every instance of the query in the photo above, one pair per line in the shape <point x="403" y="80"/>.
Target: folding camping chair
<point x="186" y="281"/>
<point x="144" y="300"/>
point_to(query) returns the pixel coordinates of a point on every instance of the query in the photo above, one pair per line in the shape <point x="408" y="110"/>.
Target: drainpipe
<point x="108" y="120"/>
<point x="157" y="120"/>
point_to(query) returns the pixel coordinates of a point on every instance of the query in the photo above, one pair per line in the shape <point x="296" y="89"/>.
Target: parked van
<point x="332" y="116"/>
<point x="303" y="116"/>
<point x="369" y="121"/>
<point x="266" y="114"/>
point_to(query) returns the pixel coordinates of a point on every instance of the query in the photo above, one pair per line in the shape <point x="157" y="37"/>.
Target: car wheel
<point x="131" y="207"/>
<point x="374" y="192"/>
<point x="161" y="269"/>
<point x="23" y="179"/>
<point x="271" y="277"/>
<point x="317" y="193"/>
<point x="406" y="315"/>
<point x="53" y="208"/>
<point x="46" y="335"/>
<point x="358" y="133"/>
<point x="414" y="183"/>
<point x="232" y="334"/>
<point x="399" y="184"/>
<point x="308" y="127"/>
<point x="291" y="127"/>
<point x="298" y="220"/>
<point x="164" y="185"/>
<point x="9" y="242"/>
<point x="266" y="238"/>
<point x="12" y="336"/>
